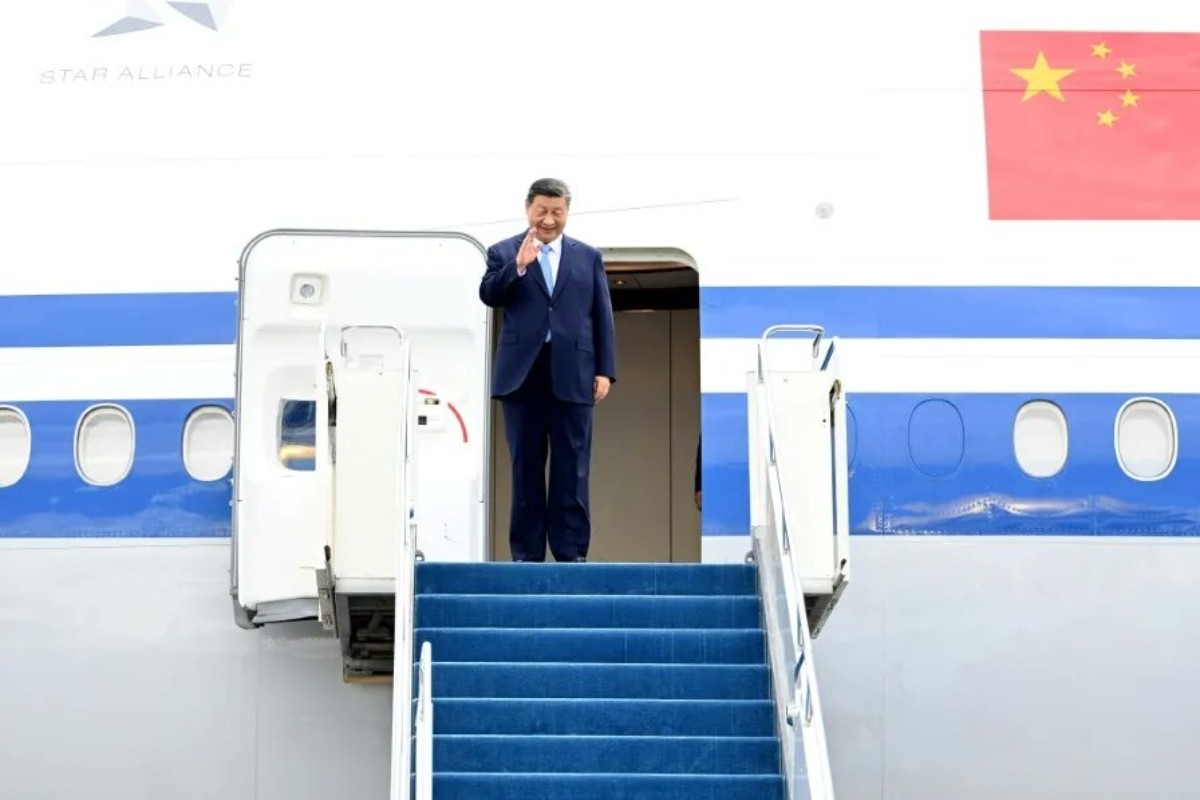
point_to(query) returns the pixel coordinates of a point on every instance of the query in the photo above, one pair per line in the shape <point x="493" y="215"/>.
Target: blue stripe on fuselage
<point x="193" y="318"/>
<point x="157" y="499"/>
<point x="985" y="494"/>
<point x="114" y="320"/>
<point x="982" y="491"/>
<point x="1038" y="312"/>
<point x="977" y="487"/>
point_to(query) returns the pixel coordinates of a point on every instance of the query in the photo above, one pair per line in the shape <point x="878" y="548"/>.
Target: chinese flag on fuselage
<point x="1092" y="125"/>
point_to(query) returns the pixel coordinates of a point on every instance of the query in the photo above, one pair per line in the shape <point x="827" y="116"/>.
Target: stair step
<point x="614" y="645"/>
<point x="569" y="717"/>
<point x="561" y="679"/>
<point x="586" y="611"/>
<point x="696" y="755"/>
<point x="580" y="786"/>
<point x="587" y="578"/>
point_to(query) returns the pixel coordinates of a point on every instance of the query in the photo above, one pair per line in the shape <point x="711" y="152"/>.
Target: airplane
<point x="1007" y="292"/>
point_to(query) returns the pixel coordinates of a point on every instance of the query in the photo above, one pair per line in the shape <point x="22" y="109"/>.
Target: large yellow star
<point x="1041" y="77"/>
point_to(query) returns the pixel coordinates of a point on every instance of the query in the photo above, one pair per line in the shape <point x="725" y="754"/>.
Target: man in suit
<point x="555" y="360"/>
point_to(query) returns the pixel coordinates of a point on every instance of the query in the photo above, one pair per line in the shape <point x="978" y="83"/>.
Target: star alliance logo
<point x="183" y="64"/>
<point x="140" y="16"/>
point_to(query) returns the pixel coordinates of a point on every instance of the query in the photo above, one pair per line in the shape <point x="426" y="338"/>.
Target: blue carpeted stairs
<point x="577" y="681"/>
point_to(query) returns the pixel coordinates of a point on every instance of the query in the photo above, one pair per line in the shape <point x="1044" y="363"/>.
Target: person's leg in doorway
<point x="570" y="526"/>
<point x="527" y="424"/>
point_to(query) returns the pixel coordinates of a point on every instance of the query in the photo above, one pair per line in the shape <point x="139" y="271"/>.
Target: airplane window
<point x="1040" y="439"/>
<point x="208" y="443"/>
<point x="298" y="434"/>
<point x="16" y="444"/>
<point x="936" y="438"/>
<point x="1147" y="439"/>
<point x="104" y="445"/>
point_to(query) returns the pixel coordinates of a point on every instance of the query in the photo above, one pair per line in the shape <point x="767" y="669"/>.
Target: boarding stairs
<point x="598" y="680"/>
<point x="587" y="680"/>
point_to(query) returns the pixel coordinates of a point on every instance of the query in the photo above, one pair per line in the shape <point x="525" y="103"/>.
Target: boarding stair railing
<point x="424" y="725"/>
<point x="799" y="521"/>
<point x="408" y="727"/>
<point x="412" y="773"/>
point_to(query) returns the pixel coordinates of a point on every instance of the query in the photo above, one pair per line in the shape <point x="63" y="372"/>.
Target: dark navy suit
<point x="546" y="389"/>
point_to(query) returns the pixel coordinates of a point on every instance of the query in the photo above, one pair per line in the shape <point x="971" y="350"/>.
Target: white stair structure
<point x="801" y="535"/>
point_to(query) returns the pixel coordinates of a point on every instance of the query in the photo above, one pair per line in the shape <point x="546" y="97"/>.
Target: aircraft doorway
<point x="645" y="432"/>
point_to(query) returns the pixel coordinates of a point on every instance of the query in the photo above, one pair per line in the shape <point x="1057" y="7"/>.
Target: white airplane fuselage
<point x="1024" y="394"/>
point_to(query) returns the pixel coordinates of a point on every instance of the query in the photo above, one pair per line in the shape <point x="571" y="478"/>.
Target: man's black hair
<point x="548" y="187"/>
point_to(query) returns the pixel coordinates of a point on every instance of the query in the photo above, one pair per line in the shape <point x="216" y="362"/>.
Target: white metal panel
<point x="422" y="284"/>
<point x="801" y="427"/>
<point x="805" y="414"/>
<point x="370" y="495"/>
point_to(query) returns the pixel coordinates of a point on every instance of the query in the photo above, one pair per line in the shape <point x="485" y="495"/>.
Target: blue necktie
<point x="544" y="260"/>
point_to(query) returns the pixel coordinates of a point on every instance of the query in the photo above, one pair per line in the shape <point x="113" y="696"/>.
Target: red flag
<point x="1092" y="125"/>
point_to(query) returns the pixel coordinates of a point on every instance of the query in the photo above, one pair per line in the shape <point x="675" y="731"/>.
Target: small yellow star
<point x="1101" y="50"/>
<point x="1126" y="70"/>
<point x="1041" y="77"/>
<point x="1129" y="99"/>
<point x="1107" y="118"/>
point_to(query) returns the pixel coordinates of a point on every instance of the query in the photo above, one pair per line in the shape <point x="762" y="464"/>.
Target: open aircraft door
<point x="314" y="306"/>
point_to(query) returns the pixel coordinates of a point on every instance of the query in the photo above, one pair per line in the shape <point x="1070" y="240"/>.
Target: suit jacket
<point x="578" y="315"/>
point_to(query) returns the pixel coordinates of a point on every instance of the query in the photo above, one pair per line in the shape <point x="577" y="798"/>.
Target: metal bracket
<point x="325" y="602"/>
<point x="792" y="710"/>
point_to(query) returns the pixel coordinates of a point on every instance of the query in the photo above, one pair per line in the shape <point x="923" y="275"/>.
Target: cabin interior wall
<point x="644" y="435"/>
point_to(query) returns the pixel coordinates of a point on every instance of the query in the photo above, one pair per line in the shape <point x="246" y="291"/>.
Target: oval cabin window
<point x="104" y="445"/>
<point x="208" y="443"/>
<point x="16" y="445"/>
<point x="936" y="438"/>
<point x="1146" y="439"/>
<point x="1040" y="439"/>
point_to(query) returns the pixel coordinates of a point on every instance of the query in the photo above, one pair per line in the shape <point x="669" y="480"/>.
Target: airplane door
<point x="295" y="287"/>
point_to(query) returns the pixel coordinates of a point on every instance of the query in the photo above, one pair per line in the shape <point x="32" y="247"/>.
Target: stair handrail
<point x="802" y="708"/>
<point x="405" y="610"/>
<point x="425" y="724"/>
